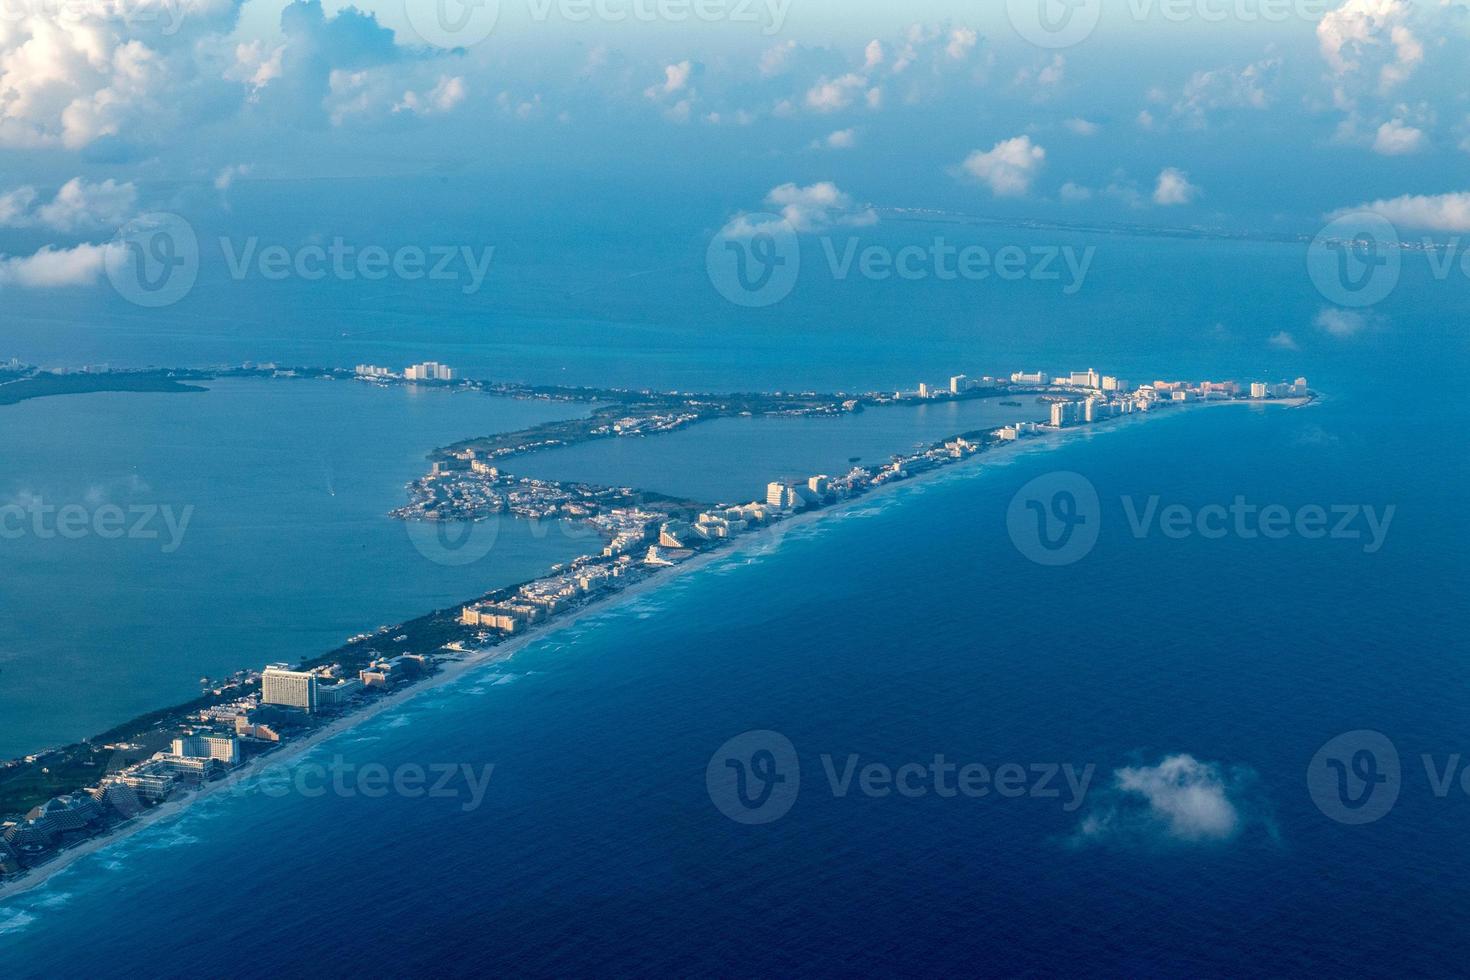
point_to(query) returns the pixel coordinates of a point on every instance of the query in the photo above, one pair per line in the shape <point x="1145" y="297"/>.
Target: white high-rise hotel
<point x="428" y="371"/>
<point x="289" y="688"/>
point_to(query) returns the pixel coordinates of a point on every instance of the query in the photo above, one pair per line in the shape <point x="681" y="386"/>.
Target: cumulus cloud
<point x="842" y="139"/>
<point x="1342" y="324"/>
<point x="1044" y="79"/>
<point x="832" y="94"/>
<point x="962" y="41"/>
<point x="873" y="55"/>
<point x="1282" y="340"/>
<point x="818" y="207"/>
<point x="1177" y="802"/>
<point x="1398" y="138"/>
<point x="447" y="93"/>
<point x="1008" y="168"/>
<point x="74" y="74"/>
<point x="77" y="206"/>
<point x="1226" y="88"/>
<point x="1082" y="127"/>
<point x="776" y="59"/>
<point x="1429" y="212"/>
<point x="1371" y="35"/>
<point x="676" y="79"/>
<point x="53" y="268"/>
<point x="1173" y="188"/>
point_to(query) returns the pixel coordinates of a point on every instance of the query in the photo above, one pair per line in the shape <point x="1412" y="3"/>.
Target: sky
<point x="1244" y="115"/>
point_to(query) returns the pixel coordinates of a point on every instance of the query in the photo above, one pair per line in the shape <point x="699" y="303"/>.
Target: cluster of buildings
<point x="465" y="487"/>
<point x="206" y="746"/>
<point x="644" y="425"/>
<point x="425" y="371"/>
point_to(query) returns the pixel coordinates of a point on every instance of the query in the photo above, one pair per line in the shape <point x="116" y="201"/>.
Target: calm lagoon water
<point x="730" y="460"/>
<point x="287" y="549"/>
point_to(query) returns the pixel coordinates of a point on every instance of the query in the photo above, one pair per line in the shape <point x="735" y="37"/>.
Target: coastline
<point x="460" y="668"/>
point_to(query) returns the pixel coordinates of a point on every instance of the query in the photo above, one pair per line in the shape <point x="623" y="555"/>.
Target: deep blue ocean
<point x="909" y="626"/>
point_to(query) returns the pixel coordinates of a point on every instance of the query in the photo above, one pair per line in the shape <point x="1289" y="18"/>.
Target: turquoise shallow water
<point x="287" y="551"/>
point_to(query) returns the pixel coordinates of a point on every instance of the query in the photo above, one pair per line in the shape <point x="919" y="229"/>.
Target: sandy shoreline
<point x="455" y="670"/>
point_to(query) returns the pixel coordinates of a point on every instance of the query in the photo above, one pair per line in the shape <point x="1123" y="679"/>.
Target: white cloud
<point x="257" y="64"/>
<point x="676" y="79"/>
<point x="1054" y="73"/>
<point x="843" y="139"/>
<point x="1179" y="801"/>
<point x="1009" y="167"/>
<point x="447" y="93"/>
<point x="1173" y="188"/>
<point x="54" y="268"/>
<point x="15" y="207"/>
<point x="1282" y="340"/>
<point x="775" y="59"/>
<point x="1363" y="34"/>
<point x="1341" y="324"/>
<point x="1226" y="88"/>
<point x="1082" y="127"/>
<point x="1398" y="138"/>
<point x="81" y="205"/>
<point x="832" y="94"/>
<point x="1043" y="79"/>
<point x="818" y="206"/>
<point x="873" y="55"/>
<point x="1075" y="193"/>
<point x="78" y="205"/>
<point x="226" y="178"/>
<point x="1145" y="119"/>
<point x="962" y="41"/>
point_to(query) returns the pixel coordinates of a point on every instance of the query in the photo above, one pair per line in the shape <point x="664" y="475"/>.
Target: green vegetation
<point x="44" y="385"/>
